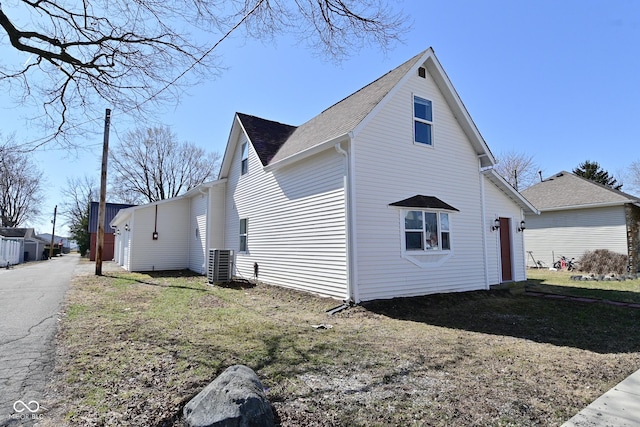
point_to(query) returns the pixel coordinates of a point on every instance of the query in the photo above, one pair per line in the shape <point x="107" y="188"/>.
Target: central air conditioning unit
<point x="220" y="265"/>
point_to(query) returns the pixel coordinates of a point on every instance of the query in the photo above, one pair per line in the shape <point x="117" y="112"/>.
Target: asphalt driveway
<point x="31" y="296"/>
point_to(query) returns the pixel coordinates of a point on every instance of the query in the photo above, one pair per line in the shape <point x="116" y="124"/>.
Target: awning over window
<point x="424" y="202"/>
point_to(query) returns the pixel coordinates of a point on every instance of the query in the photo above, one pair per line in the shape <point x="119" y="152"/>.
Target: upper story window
<point x="422" y="121"/>
<point x="426" y="231"/>
<point x="244" y="162"/>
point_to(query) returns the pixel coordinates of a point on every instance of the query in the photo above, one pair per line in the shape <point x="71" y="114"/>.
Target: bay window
<point x="426" y="231"/>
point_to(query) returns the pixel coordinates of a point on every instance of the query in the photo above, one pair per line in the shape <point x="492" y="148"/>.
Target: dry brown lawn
<point x="134" y="348"/>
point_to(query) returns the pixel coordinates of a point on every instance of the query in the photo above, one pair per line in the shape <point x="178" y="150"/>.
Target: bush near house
<point x="603" y="261"/>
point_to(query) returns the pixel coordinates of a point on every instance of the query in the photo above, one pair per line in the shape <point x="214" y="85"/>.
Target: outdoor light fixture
<point x="522" y="227"/>
<point x="126" y="227"/>
<point x="155" y="226"/>
<point x="496" y="224"/>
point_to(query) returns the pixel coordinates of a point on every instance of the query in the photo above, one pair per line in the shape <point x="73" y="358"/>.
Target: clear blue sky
<point x="559" y="80"/>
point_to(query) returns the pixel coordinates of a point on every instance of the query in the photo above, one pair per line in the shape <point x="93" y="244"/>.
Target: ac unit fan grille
<point x="220" y="267"/>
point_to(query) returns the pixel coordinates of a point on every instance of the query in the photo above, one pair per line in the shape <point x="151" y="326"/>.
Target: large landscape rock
<point x="235" y="399"/>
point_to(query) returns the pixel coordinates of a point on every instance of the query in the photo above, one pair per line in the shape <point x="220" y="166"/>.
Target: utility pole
<point x="53" y="232"/>
<point x="103" y="193"/>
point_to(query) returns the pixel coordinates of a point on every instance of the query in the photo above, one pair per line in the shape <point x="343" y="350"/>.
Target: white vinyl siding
<point x="215" y="217"/>
<point x="122" y="241"/>
<point x="171" y="250"/>
<point x="198" y="233"/>
<point x="296" y="222"/>
<point x="388" y="169"/>
<point x="498" y="205"/>
<point x="178" y="246"/>
<point x="571" y="233"/>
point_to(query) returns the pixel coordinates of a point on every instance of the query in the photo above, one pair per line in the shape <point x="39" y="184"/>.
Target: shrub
<point x="603" y="261"/>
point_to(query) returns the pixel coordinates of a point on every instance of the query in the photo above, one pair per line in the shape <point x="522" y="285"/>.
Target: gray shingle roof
<point x="13" y="232"/>
<point x="420" y="201"/>
<point x="344" y="116"/>
<point x="266" y="136"/>
<point x="566" y="190"/>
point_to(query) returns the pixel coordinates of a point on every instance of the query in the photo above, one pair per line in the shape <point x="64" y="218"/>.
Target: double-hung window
<point x="244" y="226"/>
<point x="244" y="162"/>
<point x="422" y="121"/>
<point x="426" y="231"/>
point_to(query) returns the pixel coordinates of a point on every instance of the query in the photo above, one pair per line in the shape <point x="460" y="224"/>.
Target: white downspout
<point x="206" y="229"/>
<point x="484" y="231"/>
<point x="348" y="223"/>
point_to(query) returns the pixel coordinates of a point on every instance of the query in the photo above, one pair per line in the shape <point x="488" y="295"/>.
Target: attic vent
<point x="422" y="72"/>
<point x="220" y="265"/>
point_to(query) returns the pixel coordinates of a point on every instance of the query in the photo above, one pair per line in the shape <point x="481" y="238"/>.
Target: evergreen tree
<point x="79" y="230"/>
<point x="75" y="208"/>
<point x="593" y="171"/>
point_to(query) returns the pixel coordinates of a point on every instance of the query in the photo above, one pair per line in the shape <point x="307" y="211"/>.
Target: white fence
<point x="9" y="252"/>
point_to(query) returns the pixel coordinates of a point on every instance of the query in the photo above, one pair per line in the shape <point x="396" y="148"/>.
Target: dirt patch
<point x="133" y="349"/>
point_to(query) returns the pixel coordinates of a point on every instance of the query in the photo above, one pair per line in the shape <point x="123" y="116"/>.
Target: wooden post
<point x="103" y="193"/>
<point x="53" y="232"/>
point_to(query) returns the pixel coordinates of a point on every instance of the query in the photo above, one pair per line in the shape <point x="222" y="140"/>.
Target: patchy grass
<point x="559" y="282"/>
<point x="134" y="348"/>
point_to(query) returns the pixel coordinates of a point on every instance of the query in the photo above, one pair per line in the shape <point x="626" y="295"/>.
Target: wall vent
<point x="220" y="267"/>
<point x="422" y="72"/>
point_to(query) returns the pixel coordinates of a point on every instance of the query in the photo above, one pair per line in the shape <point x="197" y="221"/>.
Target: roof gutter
<point x="591" y="205"/>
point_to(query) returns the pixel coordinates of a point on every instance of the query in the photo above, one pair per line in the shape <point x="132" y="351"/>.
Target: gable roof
<point x="342" y="117"/>
<point x="266" y="136"/>
<point x="509" y="191"/>
<point x="566" y="190"/>
<point x="335" y="124"/>
<point x="16" y="233"/>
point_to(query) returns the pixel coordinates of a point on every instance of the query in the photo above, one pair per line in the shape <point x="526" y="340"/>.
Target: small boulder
<point x="234" y="399"/>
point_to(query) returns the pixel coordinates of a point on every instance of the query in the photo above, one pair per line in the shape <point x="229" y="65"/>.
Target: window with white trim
<point x="244" y="162"/>
<point x="422" y="121"/>
<point x="426" y="231"/>
<point x="244" y="228"/>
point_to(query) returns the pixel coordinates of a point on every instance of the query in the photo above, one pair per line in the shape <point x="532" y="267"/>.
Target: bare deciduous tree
<point x="20" y="189"/>
<point x="130" y="55"/>
<point x="150" y="165"/>
<point x="632" y="177"/>
<point x="519" y="169"/>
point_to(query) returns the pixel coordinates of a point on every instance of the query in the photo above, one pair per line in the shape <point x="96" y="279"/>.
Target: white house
<point x="10" y="250"/>
<point x="390" y="192"/>
<point x="18" y="245"/>
<point x="170" y="234"/>
<point x="579" y="215"/>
